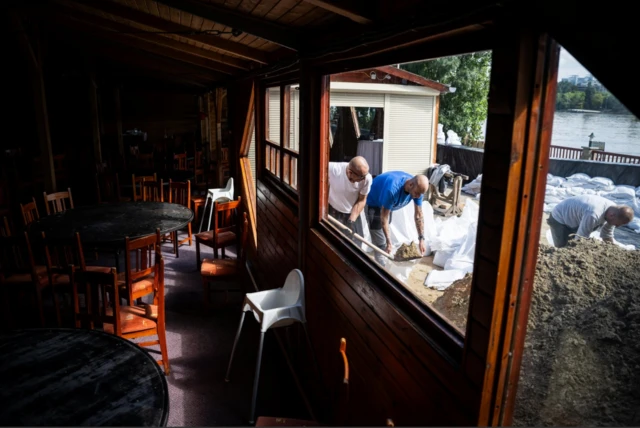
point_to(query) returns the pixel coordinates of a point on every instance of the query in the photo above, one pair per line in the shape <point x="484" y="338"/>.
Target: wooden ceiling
<point x="207" y="42"/>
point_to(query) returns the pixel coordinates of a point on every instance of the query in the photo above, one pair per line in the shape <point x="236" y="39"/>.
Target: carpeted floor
<point x="200" y="340"/>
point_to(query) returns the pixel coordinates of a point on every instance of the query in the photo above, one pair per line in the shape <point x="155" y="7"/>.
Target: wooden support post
<point x="95" y="119"/>
<point x="34" y="65"/>
<point x="116" y="95"/>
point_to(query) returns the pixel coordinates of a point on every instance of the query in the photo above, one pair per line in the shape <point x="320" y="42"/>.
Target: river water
<point x="621" y="133"/>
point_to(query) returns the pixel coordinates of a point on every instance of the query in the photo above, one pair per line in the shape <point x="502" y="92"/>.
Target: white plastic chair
<point x="273" y="308"/>
<point x="212" y="195"/>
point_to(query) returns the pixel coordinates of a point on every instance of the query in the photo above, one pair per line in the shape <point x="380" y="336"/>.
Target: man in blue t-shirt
<point x="389" y="192"/>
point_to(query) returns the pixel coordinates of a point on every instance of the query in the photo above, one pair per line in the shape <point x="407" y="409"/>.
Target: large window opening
<point x="282" y="133"/>
<point x="387" y="193"/>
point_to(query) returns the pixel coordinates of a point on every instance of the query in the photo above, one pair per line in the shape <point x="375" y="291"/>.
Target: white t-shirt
<point x="343" y="194"/>
<point x="585" y="213"/>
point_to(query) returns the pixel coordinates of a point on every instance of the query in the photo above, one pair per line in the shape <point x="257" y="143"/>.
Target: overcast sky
<point x="570" y="66"/>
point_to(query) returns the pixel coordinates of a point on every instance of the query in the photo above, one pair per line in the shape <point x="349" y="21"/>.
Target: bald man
<point x="390" y="192"/>
<point x="349" y="185"/>
<point x="581" y="215"/>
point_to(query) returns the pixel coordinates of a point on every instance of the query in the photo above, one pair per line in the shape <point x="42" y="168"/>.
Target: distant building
<point x="583" y="82"/>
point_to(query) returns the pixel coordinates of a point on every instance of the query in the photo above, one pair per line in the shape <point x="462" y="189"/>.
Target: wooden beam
<point x="160" y="24"/>
<point x="32" y="53"/>
<point x="344" y="8"/>
<point x="144" y="45"/>
<point x="118" y="112"/>
<point x="95" y="118"/>
<point x="240" y="21"/>
<point x="149" y="42"/>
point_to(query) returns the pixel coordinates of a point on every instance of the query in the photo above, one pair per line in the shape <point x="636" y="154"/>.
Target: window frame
<point x="438" y="331"/>
<point x="282" y="155"/>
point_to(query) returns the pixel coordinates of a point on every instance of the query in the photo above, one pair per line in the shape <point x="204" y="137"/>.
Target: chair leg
<point x="215" y="252"/>
<point x="190" y="234"/>
<point x="233" y="349"/>
<point x="255" y="381"/>
<point x="175" y="243"/>
<point x="162" y="338"/>
<point x="223" y="255"/>
<point x="197" y="254"/>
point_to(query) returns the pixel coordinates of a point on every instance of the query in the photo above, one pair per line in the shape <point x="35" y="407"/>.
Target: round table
<point x="107" y="225"/>
<point x="74" y="377"/>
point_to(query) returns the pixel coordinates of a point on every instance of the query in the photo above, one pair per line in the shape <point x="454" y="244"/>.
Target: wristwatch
<point x="421" y="238"/>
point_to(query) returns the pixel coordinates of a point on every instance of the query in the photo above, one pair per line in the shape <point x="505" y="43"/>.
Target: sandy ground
<point x="421" y="268"/>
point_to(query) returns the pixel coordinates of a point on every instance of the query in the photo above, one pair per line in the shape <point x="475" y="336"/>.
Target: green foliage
<point x="365" y="116"/>
<point x="571" y="96"/>
<point x="465" y="110"/>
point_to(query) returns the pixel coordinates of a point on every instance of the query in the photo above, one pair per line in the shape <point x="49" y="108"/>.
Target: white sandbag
<point x="400" y="270"/>
<point x="442" y="279"/>
<point x="634" y="225"/>
<point x="403" y="226"/>
<point x="638" y="191"/>
<point x="440" y="138"/>
<point x="552" y="199"/>
<point x="452" y="139"/>
<point x="579" y="177"/>
<point x="603" y="183"/>
<point x="462" y="259"/>
<point x="623" y="191"/>
<point x="549" y="237"/>
<point x="441" y="257"/>
<point x="473" y="187"/>
<point x="554" y="181"/>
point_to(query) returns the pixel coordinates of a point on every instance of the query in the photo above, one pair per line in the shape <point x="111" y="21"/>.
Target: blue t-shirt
<point x="387" y="190"/>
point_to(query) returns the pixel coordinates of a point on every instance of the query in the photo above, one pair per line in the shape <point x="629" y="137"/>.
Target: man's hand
<point x="388" y="248"/>
<point x="352" y="226"/>
<point x="423" y="247"/>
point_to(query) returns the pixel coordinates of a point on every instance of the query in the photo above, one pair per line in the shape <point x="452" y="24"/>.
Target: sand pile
<point x="581" y="363"/>
<point x="407" y="252"/>
<point x="454" y="302"/>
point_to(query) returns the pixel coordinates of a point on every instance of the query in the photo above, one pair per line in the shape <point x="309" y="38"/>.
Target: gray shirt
<point x="585" y="213"/>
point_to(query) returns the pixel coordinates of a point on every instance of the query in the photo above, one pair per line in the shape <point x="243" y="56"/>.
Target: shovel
<point x="358" y="237"/>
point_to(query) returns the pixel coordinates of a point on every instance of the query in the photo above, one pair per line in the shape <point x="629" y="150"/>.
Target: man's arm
<point x="587" y="225"/>
<point x="358" y="207"/>
<point x="419" y="218"/>
<point x="606" y="233"/>
<point x="384" y="218"/>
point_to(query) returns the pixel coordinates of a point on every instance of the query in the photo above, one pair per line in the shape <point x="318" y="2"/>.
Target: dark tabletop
<point x="109" y="224"/>
<point x="73" y="377"/>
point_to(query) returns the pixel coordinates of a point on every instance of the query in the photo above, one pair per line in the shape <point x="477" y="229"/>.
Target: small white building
<point x="409" y="104"/>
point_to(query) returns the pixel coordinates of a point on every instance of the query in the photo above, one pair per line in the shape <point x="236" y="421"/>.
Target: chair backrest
<point x="55" y="202"/>
<point x="293" y="289"/>
<point x="225" y="216"/>
<point x="180" y="161"/>
<point x="107" y="187"/>
<point x="152" y="191"/>
<point x="16" y="256"/>
<point x="229" y="187"/>
<point x="101" y="302"/>
<point x="143" y="250"/>
<point x="61" y="254"/>
<point x="137" y="184"/>
<point x="180" y="193"/>
<point x="29" y="212"/>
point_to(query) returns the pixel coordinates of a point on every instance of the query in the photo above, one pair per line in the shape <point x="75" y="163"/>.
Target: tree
<point x="465" y="110"/>
<point x="588" y="97"/>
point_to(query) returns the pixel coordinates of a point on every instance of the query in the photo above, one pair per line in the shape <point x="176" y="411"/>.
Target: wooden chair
<point x="108" y="188"/>
<point x="55" y="202"/>
<point x="212" y="269"/>
<point x="180" y="162"/>
<point x="180" y="193"/>
<point x="137" y="181"/>
<point x="142" y="278"/>
<point x="19" y="273"/>
<point x="224" y="230"/>
<point x="153" y="191"/>
<point x="29" y="212"/>
<point x="129" y="322"/>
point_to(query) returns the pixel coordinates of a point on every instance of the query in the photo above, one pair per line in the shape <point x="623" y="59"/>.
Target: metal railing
<point x="562" y="152"/>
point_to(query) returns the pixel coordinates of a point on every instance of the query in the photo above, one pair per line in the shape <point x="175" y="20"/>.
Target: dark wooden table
<point x="74" y="377"/>
<point x="107" y="225"/>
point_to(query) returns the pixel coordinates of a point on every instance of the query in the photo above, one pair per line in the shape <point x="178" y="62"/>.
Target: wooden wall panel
<point x="277" y="226"/>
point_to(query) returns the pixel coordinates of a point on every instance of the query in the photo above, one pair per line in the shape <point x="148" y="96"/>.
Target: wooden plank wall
<point x="277" y="226"/>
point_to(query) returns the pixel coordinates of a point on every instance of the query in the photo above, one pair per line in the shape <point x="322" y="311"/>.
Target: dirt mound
<point x="407" y="252"/>
<point x="581" y="362"/>
<point x="454" y="302"/>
